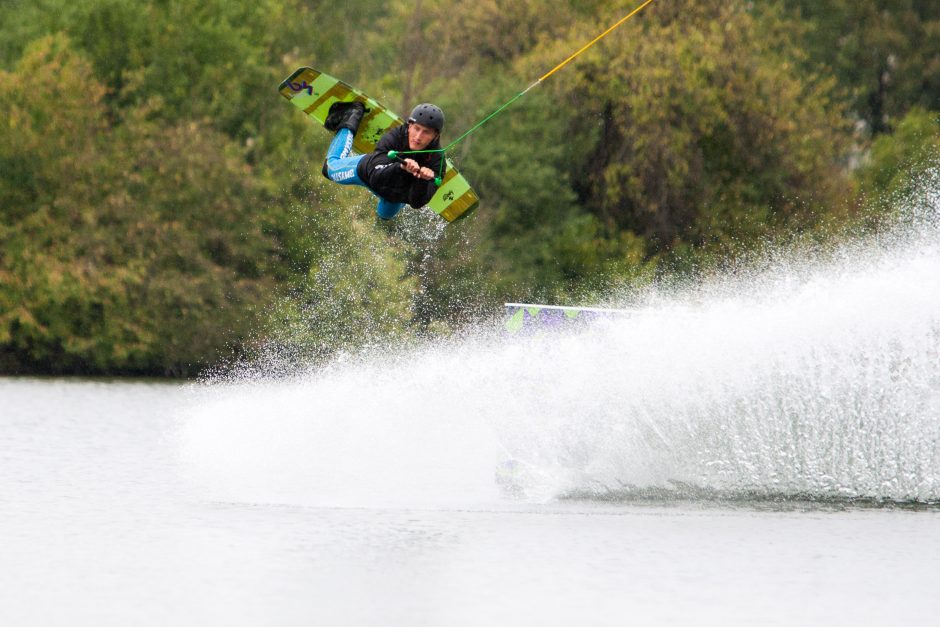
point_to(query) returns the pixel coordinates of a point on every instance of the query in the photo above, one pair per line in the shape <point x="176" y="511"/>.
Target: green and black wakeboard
<point x="313" y="92"/>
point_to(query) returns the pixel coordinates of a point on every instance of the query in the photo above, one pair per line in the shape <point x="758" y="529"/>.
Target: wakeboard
<point x="313" y="92"/>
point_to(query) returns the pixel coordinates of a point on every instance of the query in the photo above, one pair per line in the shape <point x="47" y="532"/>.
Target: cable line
<point x="393" y="154"/>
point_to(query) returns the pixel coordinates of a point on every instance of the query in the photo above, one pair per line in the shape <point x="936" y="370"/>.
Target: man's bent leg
<point x="387" y="209"/>
<point x="339" y="166"/>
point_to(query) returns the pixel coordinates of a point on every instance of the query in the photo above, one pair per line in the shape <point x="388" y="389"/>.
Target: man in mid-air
<point x="397" y="181"/>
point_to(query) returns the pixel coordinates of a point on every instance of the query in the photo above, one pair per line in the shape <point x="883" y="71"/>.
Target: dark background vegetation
<point x="161" y="207"/>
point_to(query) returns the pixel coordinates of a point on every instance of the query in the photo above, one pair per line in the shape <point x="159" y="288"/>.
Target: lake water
<point x="119" y="510"/>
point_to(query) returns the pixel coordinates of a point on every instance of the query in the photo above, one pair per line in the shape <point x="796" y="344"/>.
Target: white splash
<point x="817" y="378"/>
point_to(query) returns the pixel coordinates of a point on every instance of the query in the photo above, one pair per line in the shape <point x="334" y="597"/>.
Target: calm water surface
<point x="103" y="524"/>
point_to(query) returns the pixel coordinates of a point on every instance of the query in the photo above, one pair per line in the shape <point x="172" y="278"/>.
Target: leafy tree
<point x="130" y="248"/>
<point x="706" y="133"/>
<point x="899" y="160"/>
<point x="885" y="53"/>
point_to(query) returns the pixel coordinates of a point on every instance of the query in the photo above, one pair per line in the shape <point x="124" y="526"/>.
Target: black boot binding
<point x="344" y="115"/>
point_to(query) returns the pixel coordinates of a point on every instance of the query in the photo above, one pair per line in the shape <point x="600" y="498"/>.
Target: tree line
<point x="162" y="207"/>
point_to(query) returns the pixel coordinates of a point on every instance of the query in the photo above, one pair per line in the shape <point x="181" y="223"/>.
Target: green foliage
<point x="161" y="207"/>
<point x="708" y="134"/>
<point x="885" y="53"/>
<point x="899" y="160"/>
<point x="131" y="248"/>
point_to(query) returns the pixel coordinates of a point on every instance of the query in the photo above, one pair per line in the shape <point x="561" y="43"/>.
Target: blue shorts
<point x="341" y="167"/>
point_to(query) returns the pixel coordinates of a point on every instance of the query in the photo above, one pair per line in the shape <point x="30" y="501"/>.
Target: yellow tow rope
<point x="394" y="154"/>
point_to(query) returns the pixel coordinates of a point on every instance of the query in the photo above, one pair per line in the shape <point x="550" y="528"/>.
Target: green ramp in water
<point x="527" y="316"/>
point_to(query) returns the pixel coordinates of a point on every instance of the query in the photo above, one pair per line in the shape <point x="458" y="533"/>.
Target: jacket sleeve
<point x="422" y="191"/>
<point x="384" y="172"/>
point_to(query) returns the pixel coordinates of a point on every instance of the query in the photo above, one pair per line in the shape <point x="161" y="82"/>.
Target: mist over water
<point x="812" y="378"/>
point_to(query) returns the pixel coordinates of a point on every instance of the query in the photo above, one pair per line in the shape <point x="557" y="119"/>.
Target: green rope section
<point x="394" y="153"/>
<point x="489" y="117"/>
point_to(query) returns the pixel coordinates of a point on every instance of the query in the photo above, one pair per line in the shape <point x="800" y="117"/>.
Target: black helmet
<point x="428" y="115"/>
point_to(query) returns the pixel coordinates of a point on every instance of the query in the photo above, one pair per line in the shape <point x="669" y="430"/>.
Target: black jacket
<point x="386" y="177"/>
